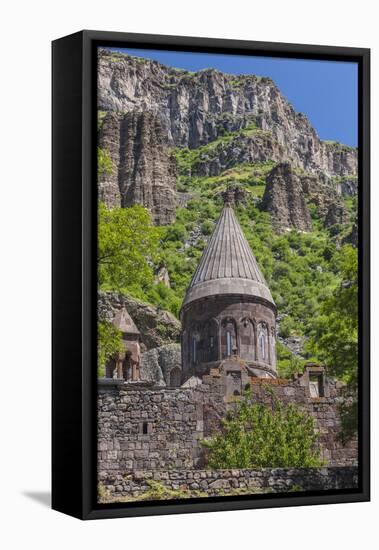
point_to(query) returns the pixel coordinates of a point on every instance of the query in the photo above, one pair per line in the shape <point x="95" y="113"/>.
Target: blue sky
<point x="326" y="91"/>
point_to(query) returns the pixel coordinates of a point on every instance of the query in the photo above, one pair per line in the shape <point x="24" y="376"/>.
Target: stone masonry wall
<point x="229" y="482"/>
<point x="146" y="428"/>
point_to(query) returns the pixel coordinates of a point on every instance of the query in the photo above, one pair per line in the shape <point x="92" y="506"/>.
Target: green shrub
<point x="207" y="227"/>
<point x="254" y="436"/>
<point x="286" y="327"/>
<point x="109" y="344"/>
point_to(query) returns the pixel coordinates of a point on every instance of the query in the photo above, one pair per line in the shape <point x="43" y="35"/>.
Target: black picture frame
<point x="74" y="275"/>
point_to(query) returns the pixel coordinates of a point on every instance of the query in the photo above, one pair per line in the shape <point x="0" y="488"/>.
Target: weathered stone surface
<point x="158" y="363"/>
<point x="294" y="343"/>
<point x="224" y="482"/>
<point x="259" y="147"/>
<point x="336" y="214"/>
<point x="288" y="194"/>
<point x="352" y="237"/>
<point x="162" y="276"/>
<point x="197" y="108"/>
<point x="157" y="327"/>
<point x="108" y="184"/>
<point x="144" y="170"/>
<point x="321" y="191"/>
<point x="170" y="357"/>
<point x="235" y="195"/>
<point x="167" y="440"/>
<point x="284" y="199"/>
<point x="179" y="418"/>
<point x="150" y="369"/>
<point x="348" y="186"/>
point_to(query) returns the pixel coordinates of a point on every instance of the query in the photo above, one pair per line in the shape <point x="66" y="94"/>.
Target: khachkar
<point x="228" y="314"/>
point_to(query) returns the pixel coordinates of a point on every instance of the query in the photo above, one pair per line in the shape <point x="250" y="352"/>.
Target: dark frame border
<point x="74" y="272"/>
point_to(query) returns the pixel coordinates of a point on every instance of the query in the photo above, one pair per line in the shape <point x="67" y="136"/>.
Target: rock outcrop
<point x="158" y="363"/>
<point x="197" y="108"/>
<point x="284" y="199"/>
<point x="150" y="369"/>
<point x="157" y="327"/>
<point x="234" y="194"/>
<point x="336" y="214"/>
<point x="144" y="170"/>
<point x="256" y="147"/>
<point x="348" y="186"/>
<point x="288" y="194"/>
<point x="322" y="192"/>
<point x="107" y="182"/>
<point x="352" y="237"/>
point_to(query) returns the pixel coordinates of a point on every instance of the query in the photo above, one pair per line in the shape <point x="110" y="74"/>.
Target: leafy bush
<point x="109" y="344"/>
<point x="255" y="436"/>
<point x="176" y="233"/>
<point x="207" y="227"/>
<point x="287" y="362"/>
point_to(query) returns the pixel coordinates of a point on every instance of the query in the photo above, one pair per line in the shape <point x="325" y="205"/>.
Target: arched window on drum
<point x="228" y="338"/>
<point x="247" y="340"/>
<point x="263" y="354"/>
<point x="272" y="345"/>
<point x="194" y="345"/>
<point x="211" y="342"/>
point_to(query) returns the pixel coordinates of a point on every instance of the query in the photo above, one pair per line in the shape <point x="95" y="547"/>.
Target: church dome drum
<point x="228" y="313"/>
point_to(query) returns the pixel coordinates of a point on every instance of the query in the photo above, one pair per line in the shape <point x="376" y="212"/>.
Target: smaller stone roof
<point x="125" y="323"/>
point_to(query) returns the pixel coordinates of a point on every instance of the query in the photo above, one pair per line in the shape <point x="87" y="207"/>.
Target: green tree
<point x="335" y="335"/>
<point x="335" y="332"/>
<point x="109" y="344"/>
<point x="127" y="247"/>
<point x="256" y="436"/>
<point x="286" y="327"/>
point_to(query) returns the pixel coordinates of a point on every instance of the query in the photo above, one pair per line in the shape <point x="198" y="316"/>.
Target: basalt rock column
<point x="143" y="168"/>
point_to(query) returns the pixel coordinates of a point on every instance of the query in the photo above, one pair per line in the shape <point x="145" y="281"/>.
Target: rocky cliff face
<point x="347" y="186"/>
<point x="288" y="195"/>
<point x="197" y="108"/>
<point x="284" y="199"/>
<point x="144" y="170"/>
<point x="241" y="149"/>
<point x="157" y="327"/>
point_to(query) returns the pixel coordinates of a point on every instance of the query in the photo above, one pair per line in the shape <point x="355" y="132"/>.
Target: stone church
<point x="156" y="423"/>
<point x="228" y="314"/>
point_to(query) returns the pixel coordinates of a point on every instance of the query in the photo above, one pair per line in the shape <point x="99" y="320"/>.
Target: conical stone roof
<point x="125" y="323"/>
<point x="228" y="265"/>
